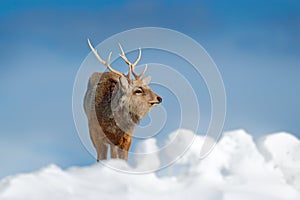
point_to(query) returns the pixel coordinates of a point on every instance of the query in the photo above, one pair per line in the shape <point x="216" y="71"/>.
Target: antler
<point x="131" y="66"/>
<point x="106" y="63"/>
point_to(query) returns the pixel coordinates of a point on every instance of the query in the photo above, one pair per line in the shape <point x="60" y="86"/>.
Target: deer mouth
<point x="154" y="103"/>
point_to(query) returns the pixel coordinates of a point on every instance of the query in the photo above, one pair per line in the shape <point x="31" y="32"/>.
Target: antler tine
<point x="132" y="65"/>
<point x="122" y="55"/>
<point x="141" y="74"/>
<point x="102" y="61"/>
<point x="138" y="58"/>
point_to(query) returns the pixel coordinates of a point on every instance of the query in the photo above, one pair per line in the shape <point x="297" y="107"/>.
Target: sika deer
<point x="114" y="103"/>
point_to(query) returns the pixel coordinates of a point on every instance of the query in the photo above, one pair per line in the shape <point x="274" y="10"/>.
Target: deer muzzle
<point x="156" y="102"/>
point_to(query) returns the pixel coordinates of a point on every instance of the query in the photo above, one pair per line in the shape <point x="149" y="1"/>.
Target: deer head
<point x="132" y="99"/>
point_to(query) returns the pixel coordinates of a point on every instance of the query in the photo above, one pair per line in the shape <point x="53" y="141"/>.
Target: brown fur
<point x="113" y="111"/>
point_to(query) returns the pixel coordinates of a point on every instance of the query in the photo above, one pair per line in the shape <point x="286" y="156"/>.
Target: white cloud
<point x="238" y="168"/>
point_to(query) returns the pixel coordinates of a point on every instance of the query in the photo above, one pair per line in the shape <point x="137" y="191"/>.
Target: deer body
<point x="114" y="104"/>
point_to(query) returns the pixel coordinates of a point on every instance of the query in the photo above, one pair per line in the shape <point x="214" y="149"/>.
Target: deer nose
<point x="159" y="99"/>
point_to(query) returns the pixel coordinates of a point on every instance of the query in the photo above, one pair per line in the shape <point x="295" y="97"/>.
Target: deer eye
<point x="138" y="91"/>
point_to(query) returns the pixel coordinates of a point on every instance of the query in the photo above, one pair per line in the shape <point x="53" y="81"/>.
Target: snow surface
<point x="237" y="169"/>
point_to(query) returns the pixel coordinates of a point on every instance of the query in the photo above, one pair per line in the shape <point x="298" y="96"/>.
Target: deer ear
<point x="147" y="80"/>
<point x="124" y="82"/>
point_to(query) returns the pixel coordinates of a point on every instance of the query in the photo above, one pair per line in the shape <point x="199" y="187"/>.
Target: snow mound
<point x="283" y="151"/>
<point x="238" y="168"/>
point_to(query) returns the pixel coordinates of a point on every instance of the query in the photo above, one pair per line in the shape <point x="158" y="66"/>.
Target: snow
<point x="238" y="168"/>
<point x="283" y="150"/>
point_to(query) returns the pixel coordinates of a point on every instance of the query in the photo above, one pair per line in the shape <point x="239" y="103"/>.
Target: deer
<point x="114" y="103"/>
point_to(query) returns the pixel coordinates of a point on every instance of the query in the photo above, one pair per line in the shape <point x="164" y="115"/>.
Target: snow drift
<point x="238" y="168"/>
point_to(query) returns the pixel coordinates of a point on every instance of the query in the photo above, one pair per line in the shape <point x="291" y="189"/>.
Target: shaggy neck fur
<point x="125" y="119"/>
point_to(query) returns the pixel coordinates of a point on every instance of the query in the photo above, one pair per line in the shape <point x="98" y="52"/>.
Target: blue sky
<point x="255" y="44"/>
